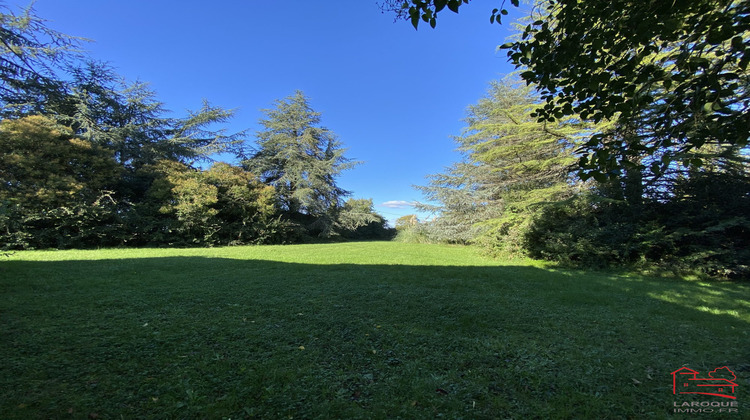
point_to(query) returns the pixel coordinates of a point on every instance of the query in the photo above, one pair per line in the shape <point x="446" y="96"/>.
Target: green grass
<point x="356" y="330"/>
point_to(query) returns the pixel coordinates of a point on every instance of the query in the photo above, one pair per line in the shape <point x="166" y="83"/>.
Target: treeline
<point x="87" y="160"/>
<point x="518" y="190"/>
<point x="628" y="145"/>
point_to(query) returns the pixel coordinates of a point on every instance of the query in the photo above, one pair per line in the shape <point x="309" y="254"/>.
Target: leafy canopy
<point x="55" y="188"/>
<point x="427" y="11"/>
<point x="676" y="68"/>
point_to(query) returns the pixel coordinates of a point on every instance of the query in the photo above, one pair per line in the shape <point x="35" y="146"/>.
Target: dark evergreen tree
<point x="31" y="57"/>
<point x="301" y="159"/>
<point x="357" y="219"/>
<point x="128" y="119"/>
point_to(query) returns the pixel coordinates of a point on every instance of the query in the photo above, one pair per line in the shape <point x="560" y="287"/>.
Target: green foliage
<point x="512" y="165"/>
<point x="129" y="120"/>
<point x="420" y="233"/>
<point x="59" y="191"/>
<point x="90" y="160"/>
<point x="702" y="230"/>
<point x="246" y="208"/>
<point x="357" y="219"/>
<point x="112" y="169"/>
<point x="410" y="230"/>
<point x="676" y="70"/>
<point x="587" y="231"/>
<point x="56" y="188"/>
<point x="31" y="54"/>
<point x="514" y="194"/>
<point x="223" y="205"/>
<point x="301" y="159"/>
<point x="666" y="85"/>
<point x="426" y="11"/>
<point x="709" y="223"/>
<point x="406" y="222"/>
<point x="463" y="194"/>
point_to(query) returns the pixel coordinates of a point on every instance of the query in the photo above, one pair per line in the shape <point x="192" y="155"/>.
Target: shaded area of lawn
<point x="196" y="337"/>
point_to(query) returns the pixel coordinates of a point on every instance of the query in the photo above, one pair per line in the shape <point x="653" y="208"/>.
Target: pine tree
<point x="301" y="159"/>
<point x="31" y="56"/>
<point x="128" y="119"/>
<point x="512" y="164"/>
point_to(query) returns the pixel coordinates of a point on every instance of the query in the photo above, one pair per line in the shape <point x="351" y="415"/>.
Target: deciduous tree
<point x="674" y="70"/>
<point x="56" y="190"/>
<point x="221" y="205"/>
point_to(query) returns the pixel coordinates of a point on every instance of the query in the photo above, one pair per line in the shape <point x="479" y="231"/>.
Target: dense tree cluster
<point x="517" y="191"/>
<point x="655" y="95"/>
<point x="624" y="140"/>
<point x="511" y="164"/>
<point x="87" y="160"/>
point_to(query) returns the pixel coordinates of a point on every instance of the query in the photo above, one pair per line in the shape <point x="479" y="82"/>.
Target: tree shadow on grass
<point x="207" y="337"/>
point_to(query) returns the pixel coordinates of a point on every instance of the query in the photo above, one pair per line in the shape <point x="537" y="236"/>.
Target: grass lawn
<point x="354" y="330"/>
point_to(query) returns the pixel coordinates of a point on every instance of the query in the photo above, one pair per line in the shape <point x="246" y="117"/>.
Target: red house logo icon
<point x="719" y="382"/>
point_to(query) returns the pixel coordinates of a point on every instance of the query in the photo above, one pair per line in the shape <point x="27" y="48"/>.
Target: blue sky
<point x="394" y="96"/>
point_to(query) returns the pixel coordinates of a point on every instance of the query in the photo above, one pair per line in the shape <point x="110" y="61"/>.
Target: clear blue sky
<point x="394" y="96"/>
